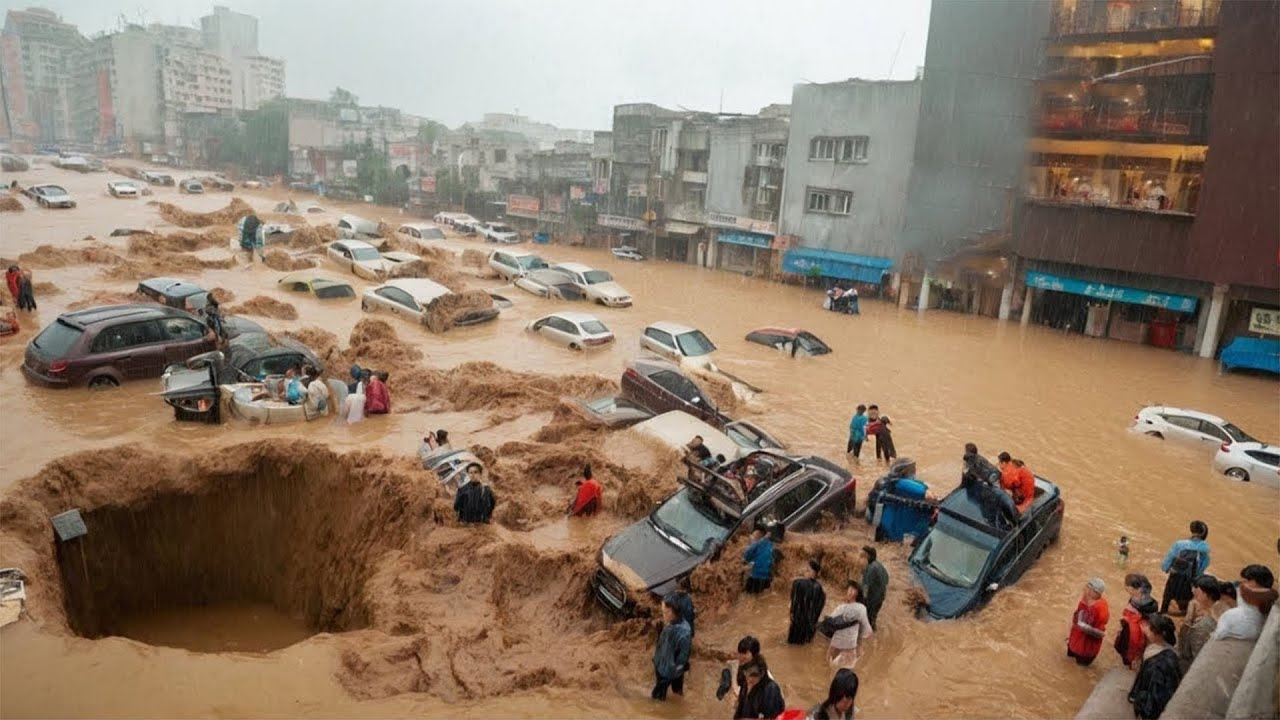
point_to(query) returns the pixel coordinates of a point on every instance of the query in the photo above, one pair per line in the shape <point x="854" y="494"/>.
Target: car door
<point x="1015" y="556"/>
<point x="183" y="337"/>
<point x="1181" y="426"/>
<point x="1210" y="432"/>
<point x="1262" y="464"/>
<point x="659" y="342"/>
<point x="794" y="508"/>
<point x="134" y="349"/>
<point x="560" y="330"/>
<point x="676" y="392"/>
<point x="398" y="301"/>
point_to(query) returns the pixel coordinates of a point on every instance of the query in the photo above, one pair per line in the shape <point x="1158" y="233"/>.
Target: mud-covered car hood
<point x="610" y="289"/>
<point x="642" y="558"/>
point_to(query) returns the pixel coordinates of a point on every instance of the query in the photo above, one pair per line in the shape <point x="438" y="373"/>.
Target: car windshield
<point x="57" y="339"/>
<point x="950" y="558"/>
<point x="499" y="227"/>
<point x="324" y="292"/>
<point x="1236" y="434"/>
<point x="432" y="234"/>
<point x="693" y="344"/>
<point x="594" y="327"/>
<point x="596" y="276"/>
<point x="53" y="190"/>
<point x="531" y="262"/>
<point x="690" y="522"/>
<point x="811" y="344"/>
<point x="365" y="254"/>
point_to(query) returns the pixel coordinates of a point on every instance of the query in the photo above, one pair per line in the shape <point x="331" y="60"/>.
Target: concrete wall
<point x="981" y="62"/>
<point x="1256" y="694"/>
<point x="1205" y="691"/>
<point x="1110" y="697"/>
<point x="731" y="152"/>
<point x="136" y="91"/>
<point x="886" y="112"/>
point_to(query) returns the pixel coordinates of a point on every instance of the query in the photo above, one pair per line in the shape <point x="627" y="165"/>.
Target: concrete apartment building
<point x="744" y="191"/>
<point x="233" y="36"/>
<point x="848" y="165"/>
<point x="36" y="51"/>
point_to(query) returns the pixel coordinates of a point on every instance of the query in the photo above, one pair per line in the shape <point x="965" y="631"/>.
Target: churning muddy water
<point x="380" y="605"/>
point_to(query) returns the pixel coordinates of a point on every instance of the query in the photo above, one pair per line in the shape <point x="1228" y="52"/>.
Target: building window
<point x="658" y="141"/>
<point x="823" y="200"/>
<point x="500" y="155"/>
<point x="854" y="149"/>
<point x="822" y="149"/>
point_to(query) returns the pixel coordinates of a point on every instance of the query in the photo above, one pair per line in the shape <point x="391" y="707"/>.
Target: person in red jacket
<point x="11" y="278"/>
<point x="1131" y="641"/>
<point x="590" y="495"/>
<point x="377" y="400"/>
<point x="1018" y="481"/>
<point x="1089" y="623"/>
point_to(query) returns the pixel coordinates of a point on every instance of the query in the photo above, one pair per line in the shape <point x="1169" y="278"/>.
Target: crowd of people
<point x="1148" y="640"/>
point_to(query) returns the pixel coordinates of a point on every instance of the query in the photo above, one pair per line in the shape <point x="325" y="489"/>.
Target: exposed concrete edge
<point x="1206" y="689"/>
<point x="1110" y="697"/>
<point x="1257" y="693"/>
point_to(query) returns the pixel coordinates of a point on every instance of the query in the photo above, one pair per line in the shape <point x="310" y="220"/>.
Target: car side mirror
<point x="696" y="400"/>
<point x="993" y="587"/>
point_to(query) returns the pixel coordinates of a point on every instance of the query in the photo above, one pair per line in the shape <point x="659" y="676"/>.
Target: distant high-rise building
<point x="36" y="49"/>
<point x="229" y="33"/>
<point x="254" y="77"/>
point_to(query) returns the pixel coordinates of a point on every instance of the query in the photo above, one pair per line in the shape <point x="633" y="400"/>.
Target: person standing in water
<point x="474" y="502"/>
<point x="873" y="425"/>
<point x="884" y="440"/>
<point x="760" y="697"/>
<point x="850" y="625"/>
<point x="1089" y="623"/>
<point x="840" y="698"/>
<point x="857" y="432"/>
<point x="759" y="559"/>
<point x="26" y="292"/>
<point x="1130" y="641"/>
<point x="807" y="601"/>
<point x="671" y="654"/>
<point x="590" y="496"/>
<point x="875" y="583"/>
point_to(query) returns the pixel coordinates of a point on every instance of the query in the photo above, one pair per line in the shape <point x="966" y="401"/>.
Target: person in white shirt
<point x="317" y="393"/>
<point x="851" y="626"/>
<point x="1244" y="621"/>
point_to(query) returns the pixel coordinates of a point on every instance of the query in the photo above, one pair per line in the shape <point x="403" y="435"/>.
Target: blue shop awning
<point x="1113" y="293"/>
<point x="832" y="264"/>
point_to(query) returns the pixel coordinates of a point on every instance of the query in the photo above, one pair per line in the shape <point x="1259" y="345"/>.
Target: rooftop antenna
<point x="721" y="110"/>
<point x="894" y="61"/>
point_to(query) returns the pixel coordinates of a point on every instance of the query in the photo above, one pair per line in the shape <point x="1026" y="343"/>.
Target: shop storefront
<point x="678" y="241"/>
<point x="864" y="270"/>
<point x="1119" y="312"/>
<point x="743" y="252"/>
<point x="619" y="230"/>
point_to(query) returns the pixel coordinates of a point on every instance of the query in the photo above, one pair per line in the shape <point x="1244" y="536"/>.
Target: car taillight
<point x="1062" y="507"/>
<point x="57" y="366"/>
<point x="631" y="373"/>
<point x="1136" y="418"/>
<point x="852" y="485"/>
<point x="1226" y="446"/>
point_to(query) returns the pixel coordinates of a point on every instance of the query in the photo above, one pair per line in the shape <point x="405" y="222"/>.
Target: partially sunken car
<point x="416" y="298"/>
<point x="198" y="388"/>
<point x="324" y="288"/>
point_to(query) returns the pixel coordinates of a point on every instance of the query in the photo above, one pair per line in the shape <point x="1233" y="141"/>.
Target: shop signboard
<point x="1113" y="293"/>
<point x="734" y="237"/>
<point x="555" y="204"/>
<point x="637" y="190"/>
<point x="577" y="192"/>
<point x="523" y="206"/>
<point x="427" y="184"/>
<point x="719" y="219"/>
<point x="620" y="222"/>
<point x="1265" y="321"/>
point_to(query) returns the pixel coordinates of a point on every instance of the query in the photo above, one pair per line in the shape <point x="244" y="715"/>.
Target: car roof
<point x="419" y="288"/>
<point x="111" y="313"/>
<point x="670" y="327"/>
<point x="650" y="365"/>
<point x="172" y="286"/>
<point x="791" y="332"/>
<point x="516" y="253"/>
<point x="973" y="503"/>
<point x="48" y="185"/>
<point x="1183" y="411"/>
<point x="575" y="317"/>
<point x="420" y="226"/>
<point x="572" y="267"/>
<point x="308" y="276"/>
<point x="354" y="244"/>
<point x="675" y="429"/>
<point x="400" y="254"/>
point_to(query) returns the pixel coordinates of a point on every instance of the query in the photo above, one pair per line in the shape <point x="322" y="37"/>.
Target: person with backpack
<point x="250" y="238"/>
<point x="1186" y="560"/>
<point x="1130" y="641"/>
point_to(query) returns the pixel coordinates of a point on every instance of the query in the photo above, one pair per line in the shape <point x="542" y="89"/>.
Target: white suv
<point x="599" y="286"/>
<point x="676" y="341"/>
<point x="1178" y="424"/>
<point x="512" y="264"/>
<point x="498" y="232"/>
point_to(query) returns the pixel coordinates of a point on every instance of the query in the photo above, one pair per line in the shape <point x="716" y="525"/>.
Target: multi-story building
<point x="36" y="65"/>
<point x="233" y="36"/>
<point x="256" y="79"/>
<point x="118" y="99"/>
<point x="1148" y="212"/>
<point x="744" y="190"/>
<point x="848" y="164"/>
<point x="543" y="136"/>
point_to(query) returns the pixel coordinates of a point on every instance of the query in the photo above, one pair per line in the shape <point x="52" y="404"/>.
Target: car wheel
<point x="1238" y="474"/>
<point x="103" y="382"/>
<point x="364" y="305"/>
<point x="1156" y="434"/>
<point x="42" y="202"/>
<point x="600" y="302"/>
<point x="575" y="346"/>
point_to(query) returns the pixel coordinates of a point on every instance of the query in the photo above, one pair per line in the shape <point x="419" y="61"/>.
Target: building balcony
<point x="1116" y="238"/>
<point x="694" y="176"/>
<point x="1183" y="127"/>
<point x="690" y="212"/>
<point x="1112" y="20"/>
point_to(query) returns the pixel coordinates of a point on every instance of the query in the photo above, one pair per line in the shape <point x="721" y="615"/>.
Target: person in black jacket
<point x="474" y="502"/>
<point x="1159" y="674"/>
<point x="807" y="600"/>
<point x="840" y="698"/>
<point x="761" y="697"/>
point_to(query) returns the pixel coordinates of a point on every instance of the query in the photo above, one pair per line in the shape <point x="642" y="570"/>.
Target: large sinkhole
<point x="251" y="560"/>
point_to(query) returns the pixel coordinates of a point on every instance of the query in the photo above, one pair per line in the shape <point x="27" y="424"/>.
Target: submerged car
<point x="415" y="298"/>
<point x="549" y="284"/>
<point x="661" y="387"/>
<point x="360" y="258"/>
<point x="452" y="466"/>
<point x="354" y="227"/>
<point x="612" y="411"/>
<point x="421" y="231"/>
<point x="512" y="264"/>
<point x="979" y="544"/>
<point x="1249" y="462"/>
<point x="792" y="340"/>
<point x="194" y="389"/>
<point x="217" y="183"/>
<point x="123" y="189"/>
<point x="323" y="288"/>
<point x="498" y="232"/>
<point x="1178" y="424"/>
<point x="676" y="341"/>
<point x="577" y="331"/>
<point x="691" y="526"/>
<point x="50" y="196"/>
<point x="599" y="286"/>
<point x="191" y="186"/>
<point x="627" y="252"/>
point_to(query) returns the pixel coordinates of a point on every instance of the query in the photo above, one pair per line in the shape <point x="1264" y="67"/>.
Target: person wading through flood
<point x="1018" y="481"/>
<point x="1158" y="675"/>
<point x="1089" y="623"/>
<point x="807" y="601"/>
<point x="1130" y="641"/>
<point x="840" y="698"/>
<point x="317" y="393"/>
<point x="26" y="292"/>
<point x="761" y="697"/>
<point x="213" y="318"/>
<point x="590" y="495"/>
<point x="748" y="654"/>
<point x="377" y="399"/>
<point x="250" y="238"/>
<point x="857" y="432"/>
<point x="474" y="502"/>
<point x="759" y="559"/>
<point x="873" y="424"/>
<point x="875" y="583"/>
<point x="848" y="626"/>
<point x="884" y="440"/>
<point x="1186" y="560"/>
<point x="671" y="654"/>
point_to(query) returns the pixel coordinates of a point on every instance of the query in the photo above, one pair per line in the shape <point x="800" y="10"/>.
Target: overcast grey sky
<point x="557" y="61"/>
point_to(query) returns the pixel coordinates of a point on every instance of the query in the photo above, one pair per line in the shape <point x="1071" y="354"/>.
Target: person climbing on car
<point x="1089" y="623"/>
<point x="759" y="559"/>
<point x="293" y="392"/>
<point x="1186" y="560"/>
<point x="1018" y="481"/>
<point x="474" y="502"/>
<point x="1130" y="641"/>
<point x="857" y="432"/>
<point x="317" y="393"/>
<point x="590" y="496"/>
<point x="213" y="318"/>
<point x="671" y="654"/>
<point x="807" y="601"/>
<point x="699" y="452"/>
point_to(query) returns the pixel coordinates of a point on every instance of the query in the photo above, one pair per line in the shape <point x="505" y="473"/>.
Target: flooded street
<point x="1063" y="403"/>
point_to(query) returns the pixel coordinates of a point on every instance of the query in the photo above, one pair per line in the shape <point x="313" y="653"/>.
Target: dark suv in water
<point x="979" y="543"/>
<point x="104" y="346"/>
<point x="691" y="526"/>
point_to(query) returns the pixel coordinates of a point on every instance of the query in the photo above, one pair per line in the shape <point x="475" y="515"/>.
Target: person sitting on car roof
<point x="699" y="452"/>
<point x="1018" y="481"/>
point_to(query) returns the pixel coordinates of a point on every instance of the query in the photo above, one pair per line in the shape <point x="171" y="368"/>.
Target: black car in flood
<point x="691" y="526"/>
<point x="192" y="388"/>
<point x="979" y="544"/>
<point x="659" y="386"/>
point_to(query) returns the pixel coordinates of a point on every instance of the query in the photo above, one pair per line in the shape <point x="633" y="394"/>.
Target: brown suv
<point x="104" y="346"/>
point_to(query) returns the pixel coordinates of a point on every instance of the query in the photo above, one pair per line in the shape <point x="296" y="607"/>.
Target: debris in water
<point x="229" y="215"/>
<point x="264" y="306"/>
<point x="11" y="204"/>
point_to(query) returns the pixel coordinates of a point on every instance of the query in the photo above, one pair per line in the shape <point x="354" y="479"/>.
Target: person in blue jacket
<point x="671" y="655"/>
<point x="1186" y="560"/>
<point x="759" y="556"/>
<point x="857" y="431"/>
<point x="911" y="517"/>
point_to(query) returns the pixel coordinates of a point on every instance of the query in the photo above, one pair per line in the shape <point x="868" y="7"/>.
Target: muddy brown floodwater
<point x="289" y="571"/>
